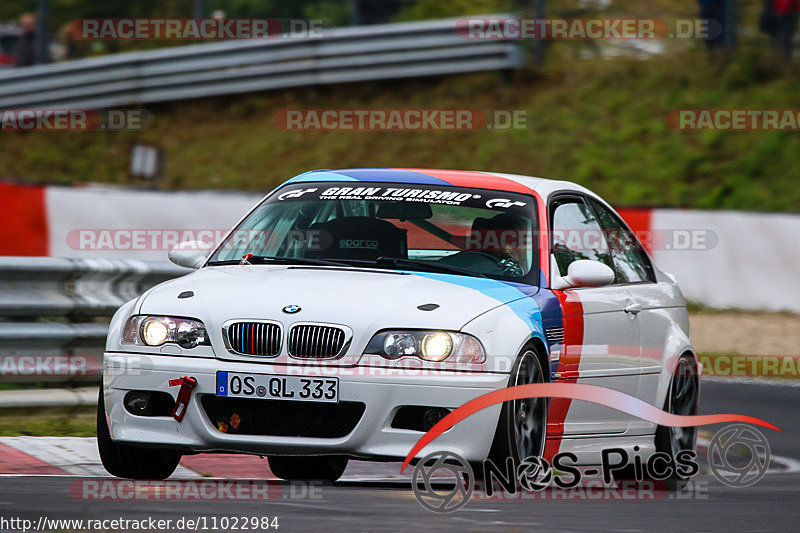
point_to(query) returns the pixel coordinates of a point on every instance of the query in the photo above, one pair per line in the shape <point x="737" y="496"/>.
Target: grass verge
<point x="54" y="423"/>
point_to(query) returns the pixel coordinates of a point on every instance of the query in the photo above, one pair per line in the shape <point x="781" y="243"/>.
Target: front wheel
<point x="307" y="468"/>
<point x="122" y="460"/>
<point x="522" y="427"/>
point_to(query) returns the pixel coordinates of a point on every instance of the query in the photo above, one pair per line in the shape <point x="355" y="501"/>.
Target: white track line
<point x="785" y="465"/>
<point x="741" y="380"/>
<point x="77" y="456"/>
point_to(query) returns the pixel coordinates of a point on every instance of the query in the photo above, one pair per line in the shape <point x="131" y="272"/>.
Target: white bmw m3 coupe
<point x="351" y="310"/>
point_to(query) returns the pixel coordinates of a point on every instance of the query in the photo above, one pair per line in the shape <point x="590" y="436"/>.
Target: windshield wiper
<point x="413" y="264"/>
<point x="279" y="259"/>
<point x="416" y="264"/>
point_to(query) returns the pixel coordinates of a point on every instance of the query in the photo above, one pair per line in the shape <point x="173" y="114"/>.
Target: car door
<point x="606" y="352"/>
<point x="652" y="302"/>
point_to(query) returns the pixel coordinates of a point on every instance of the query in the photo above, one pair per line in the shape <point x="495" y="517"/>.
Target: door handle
<point x="634" y="308"/>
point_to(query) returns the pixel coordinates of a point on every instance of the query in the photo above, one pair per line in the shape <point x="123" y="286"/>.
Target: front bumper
<point x="373" y="437"/>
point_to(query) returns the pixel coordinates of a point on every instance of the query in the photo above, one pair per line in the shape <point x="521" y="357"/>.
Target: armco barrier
<point x="50" y="287"/>
<point x="339" y="55"/>
<point x="54" y="313"/>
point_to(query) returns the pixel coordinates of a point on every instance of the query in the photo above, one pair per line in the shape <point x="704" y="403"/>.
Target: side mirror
<point x="585" y="273"/>
<point x="190" y="254"/>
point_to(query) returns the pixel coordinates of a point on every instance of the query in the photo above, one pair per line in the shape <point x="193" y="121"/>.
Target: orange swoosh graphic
<point x="589" y="393"/>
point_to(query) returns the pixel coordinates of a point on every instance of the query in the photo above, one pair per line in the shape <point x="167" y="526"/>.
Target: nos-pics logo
<point x="443" y="482"/>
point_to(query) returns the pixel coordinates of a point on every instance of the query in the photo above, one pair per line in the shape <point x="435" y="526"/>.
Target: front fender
<point x="505" y="330"/>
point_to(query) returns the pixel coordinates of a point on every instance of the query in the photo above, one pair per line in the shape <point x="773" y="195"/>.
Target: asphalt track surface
<point x="773" y="504"/>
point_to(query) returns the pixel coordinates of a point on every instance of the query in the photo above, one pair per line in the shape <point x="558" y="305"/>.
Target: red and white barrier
<point x="720" y="258"/>
<point x="754" y="264"/>
<point x="111" y="222"/>
<point x="726" y="259"/>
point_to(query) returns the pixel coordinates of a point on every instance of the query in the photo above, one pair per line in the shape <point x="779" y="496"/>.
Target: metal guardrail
<point x="51" y="287"/>
<point x="54" y="312"/>
<point x="48" y="398"/>
<point x="337" y="55"/>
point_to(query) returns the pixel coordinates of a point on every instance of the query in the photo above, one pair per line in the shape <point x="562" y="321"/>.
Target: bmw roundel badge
<point x="291" y="309"/>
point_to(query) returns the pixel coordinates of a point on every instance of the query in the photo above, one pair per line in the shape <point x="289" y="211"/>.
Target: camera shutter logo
<point x="534" y="474"/>
<point x="744" y="441"/>
<point x="451" y="498"/>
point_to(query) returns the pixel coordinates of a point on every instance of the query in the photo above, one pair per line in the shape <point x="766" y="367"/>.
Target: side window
<point x="630" y="260"/>
<point x="576" y="234"/>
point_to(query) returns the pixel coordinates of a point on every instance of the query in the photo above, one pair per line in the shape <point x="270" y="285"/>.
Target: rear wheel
<point x="310" y="467"/>
<point x="522" y="427"/>
<point x="682" y="399"/>
<point x="122" y="460"/>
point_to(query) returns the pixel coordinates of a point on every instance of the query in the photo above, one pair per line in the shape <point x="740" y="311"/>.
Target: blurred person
<point x="72" y="48"/>
<point x="714" y="11"/>
<point x="26" y="47"/>
<point x="720" y="16"/>
<point x="768" y="20"/>
<point x="9" y="36"/>
<point x="507" y="237"/>
<point x="371" y="12"/>
<point x="787" y="13"/>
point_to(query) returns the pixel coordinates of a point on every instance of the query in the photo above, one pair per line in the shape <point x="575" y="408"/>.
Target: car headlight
<point x="427" y="345"/>
<point x="146" y="330"/>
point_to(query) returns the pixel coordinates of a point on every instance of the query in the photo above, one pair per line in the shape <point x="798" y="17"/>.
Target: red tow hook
<point x="182" y="403"/>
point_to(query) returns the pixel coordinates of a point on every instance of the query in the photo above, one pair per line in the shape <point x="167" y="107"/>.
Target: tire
<point x="307" y="467"/>
<point x="522" y="426"/>
<point x="125" y="461"/>
<point x="682" y="399"/>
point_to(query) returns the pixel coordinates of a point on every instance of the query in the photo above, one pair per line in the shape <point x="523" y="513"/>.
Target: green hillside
<point x="600" y="122"/>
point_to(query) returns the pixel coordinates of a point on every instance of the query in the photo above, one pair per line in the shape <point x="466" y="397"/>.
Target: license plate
<point x="273" y="387"/>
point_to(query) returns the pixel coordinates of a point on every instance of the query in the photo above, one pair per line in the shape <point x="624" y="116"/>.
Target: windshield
<point x="398" y="226"/>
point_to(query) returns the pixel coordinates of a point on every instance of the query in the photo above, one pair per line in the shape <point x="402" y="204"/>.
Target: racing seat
<point x="363" y="238"/>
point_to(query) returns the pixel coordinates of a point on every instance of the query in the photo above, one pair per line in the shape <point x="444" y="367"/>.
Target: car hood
<point x="363" y="299"/>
